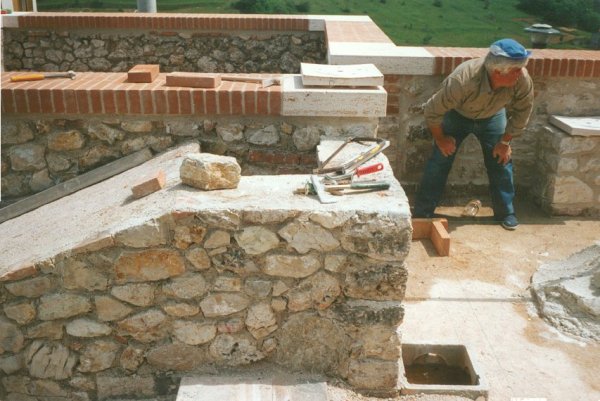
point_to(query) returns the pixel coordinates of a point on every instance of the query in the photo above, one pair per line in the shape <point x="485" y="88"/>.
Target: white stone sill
<point x="577" y="126"/>
<point x="298" y="100"/>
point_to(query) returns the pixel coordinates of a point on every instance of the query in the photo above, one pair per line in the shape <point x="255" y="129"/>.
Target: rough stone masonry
<point x="185" y="280"/>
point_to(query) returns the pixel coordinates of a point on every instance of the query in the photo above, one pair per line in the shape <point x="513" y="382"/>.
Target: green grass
<point x="460" y="23"/>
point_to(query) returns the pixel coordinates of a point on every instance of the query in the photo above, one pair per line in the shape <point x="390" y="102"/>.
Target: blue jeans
<point x="489" y="132"/>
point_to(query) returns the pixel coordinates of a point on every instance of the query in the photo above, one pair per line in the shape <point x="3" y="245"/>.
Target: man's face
<point x="505" y="79"/>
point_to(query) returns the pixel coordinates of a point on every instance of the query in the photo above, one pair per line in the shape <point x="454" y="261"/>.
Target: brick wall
<point x="163" y="21"/>
<point x="110" y="93"/>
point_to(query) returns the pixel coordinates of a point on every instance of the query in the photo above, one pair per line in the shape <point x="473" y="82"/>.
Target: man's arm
<point x="519" y="112"/>
<point x="447" y="98"/>
<point x="520" y="108"/>
<point x="446" y="143"/>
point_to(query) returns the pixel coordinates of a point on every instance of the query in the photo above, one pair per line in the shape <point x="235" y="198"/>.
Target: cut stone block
<point x="193" y="80"/>
<point x="340" y="75"/>
<point x="581" y="126"/>
<point x="219" y="388"/>
<point x="298" y="100"/>
<point x="149" y="185"/>
<point x="143" y="73"/>
<point x="389" y="58"/>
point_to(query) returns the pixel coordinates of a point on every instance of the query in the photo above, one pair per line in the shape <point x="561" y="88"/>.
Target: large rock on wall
<point x="208" y="172"/>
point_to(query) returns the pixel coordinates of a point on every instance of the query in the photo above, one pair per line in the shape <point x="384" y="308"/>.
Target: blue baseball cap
<point x="509" y="48"/>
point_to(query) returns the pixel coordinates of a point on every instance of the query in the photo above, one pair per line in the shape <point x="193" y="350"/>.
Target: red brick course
<point x="143" y="73"/>
<point x="149" y="185"/>
<point x="169" y="23"/>
<point x="110" y="93"/>
<point x="542" y="63"/>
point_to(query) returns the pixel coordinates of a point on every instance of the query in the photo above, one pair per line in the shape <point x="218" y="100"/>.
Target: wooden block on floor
<point x="434" y="229"/>
<point x="440" y="238"/>
<point x="422" y="227"/>
<point x="143" y="73"/>
<point x="149" y="185"/>
<point x="193" y="79"/>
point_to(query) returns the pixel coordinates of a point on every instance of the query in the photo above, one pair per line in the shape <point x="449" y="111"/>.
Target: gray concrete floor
<point x="479" y="296"/>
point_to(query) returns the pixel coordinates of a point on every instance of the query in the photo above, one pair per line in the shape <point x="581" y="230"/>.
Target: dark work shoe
<point x="510" y="222"/>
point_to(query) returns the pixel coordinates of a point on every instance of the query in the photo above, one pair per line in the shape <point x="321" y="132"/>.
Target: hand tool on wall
<point x="350" y="176"/>
<point x="343" y="189"/>
<point x="42" y="75"/>
<point x="319" y="189"/>
<point x="357" y="187"/>
<point x="263" y="82"/>
<point x="347" y="169"/>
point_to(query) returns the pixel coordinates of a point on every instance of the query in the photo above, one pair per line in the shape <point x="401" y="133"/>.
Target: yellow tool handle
<point x="27" y="77"/>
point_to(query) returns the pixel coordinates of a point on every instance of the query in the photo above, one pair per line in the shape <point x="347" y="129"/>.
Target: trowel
<point x="319" y="188"/>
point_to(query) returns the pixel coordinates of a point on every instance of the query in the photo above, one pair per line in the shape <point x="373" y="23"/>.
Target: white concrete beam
<point x="298" y="100"/>
<point x="317" y="22"/>
<point x="387" y="57"/>
<point x="581" y="126"/>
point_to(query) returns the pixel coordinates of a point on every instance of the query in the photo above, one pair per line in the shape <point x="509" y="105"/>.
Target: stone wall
<point x="39" y="153"/>
<point x="130" y="314"/>
<point x="49" y="50"/>
<point x="569" y="170"/>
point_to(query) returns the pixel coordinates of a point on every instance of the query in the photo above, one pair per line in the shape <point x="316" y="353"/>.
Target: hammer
<point x="40" y="76"/>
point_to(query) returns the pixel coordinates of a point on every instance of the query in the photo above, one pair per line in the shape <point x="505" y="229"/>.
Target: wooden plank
<point x="440" y="238"/>
<point x="193" y="79"/>
<point x="422" y="227"/>
<point x="74" y="184"/>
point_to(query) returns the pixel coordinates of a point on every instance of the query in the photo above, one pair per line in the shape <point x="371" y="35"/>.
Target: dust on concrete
<point x="485" y="257"/>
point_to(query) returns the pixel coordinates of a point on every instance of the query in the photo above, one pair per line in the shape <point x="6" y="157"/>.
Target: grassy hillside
<point x="461" y="23"/>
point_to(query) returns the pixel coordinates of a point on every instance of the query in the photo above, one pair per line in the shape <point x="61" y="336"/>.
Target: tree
<point x="270" y="6"/>
<point x="583" y="14"/>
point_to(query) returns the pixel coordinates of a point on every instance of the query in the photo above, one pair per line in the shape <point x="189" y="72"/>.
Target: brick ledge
<point x="103" y="93"/>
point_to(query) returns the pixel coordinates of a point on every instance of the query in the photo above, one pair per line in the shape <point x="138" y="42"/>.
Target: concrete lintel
<point x="298" y="100"/>
<point x="579" y="126"/>
<point x="387" y="57"/>
<point x="317" y="22"/>
<point x="10" y="21"/>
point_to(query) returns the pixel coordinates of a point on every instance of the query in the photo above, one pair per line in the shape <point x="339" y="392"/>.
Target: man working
<point x="492" y="98"/>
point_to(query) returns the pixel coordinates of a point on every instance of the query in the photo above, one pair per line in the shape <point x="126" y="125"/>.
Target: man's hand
<point x="446" y="144"/>
<point x="502" y="152"/>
